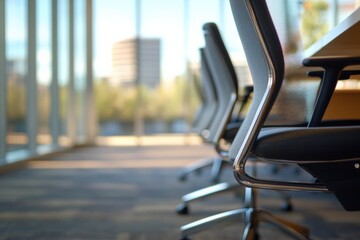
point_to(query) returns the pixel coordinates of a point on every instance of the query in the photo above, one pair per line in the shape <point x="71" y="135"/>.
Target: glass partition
<point x="63" y="70"/>
<point x="45" y="65"/>
<point x="114" y="34"/>
<point x="147" y="62"/>
<point x="162" y="66"/>
<point x="44" y="70"/>
<point x="79" y="68"/>
<point x="16" y="69"/>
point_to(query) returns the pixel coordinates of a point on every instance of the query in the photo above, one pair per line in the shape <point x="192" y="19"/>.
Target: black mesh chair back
<point x="207" y="92"/>
<point x="225" y="81"/>
<point x="265" y="59"/>
<point x="329" y="154"/>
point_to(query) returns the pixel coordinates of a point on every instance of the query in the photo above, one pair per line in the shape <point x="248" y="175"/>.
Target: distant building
<point x="136" y="61"/>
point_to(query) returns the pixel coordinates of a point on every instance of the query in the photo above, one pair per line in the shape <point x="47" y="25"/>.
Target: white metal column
<point x="188" y="76"/>
<point x="3" y="85"/>
<point x="71" y="115"/>
<point x="90" y="101"/>
<point x="139" y="116"/>
<point x="222" y="15"/>
<point x="54" y="111"/>
<point x="31" y="83"/>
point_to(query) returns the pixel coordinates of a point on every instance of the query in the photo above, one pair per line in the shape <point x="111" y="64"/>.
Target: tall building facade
<point x="136" y="61"/>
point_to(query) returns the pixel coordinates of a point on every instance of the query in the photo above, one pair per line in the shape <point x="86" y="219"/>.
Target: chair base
<point x="219" y="188"/>
<point x="222" y="188"/>
<point x="252" y="219"/>
<point x="215" y="163"/>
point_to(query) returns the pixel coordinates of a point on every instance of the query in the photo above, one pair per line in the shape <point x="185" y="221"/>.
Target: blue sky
<point x="115" y="21"/>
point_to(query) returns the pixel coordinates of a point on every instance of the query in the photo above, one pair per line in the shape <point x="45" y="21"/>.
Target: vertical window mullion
<point x="3" y="85"/>
<point x="138" y="118"/>
<point x="54" y="115"/>
<point x="71" y="107"/>
<point x="90" y="106"/>
<point x="31" y="81"/>
<point x="186" y="103"/>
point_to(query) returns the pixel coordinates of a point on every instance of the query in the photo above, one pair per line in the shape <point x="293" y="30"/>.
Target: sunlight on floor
<point x="100" y="164"/>
<point x="157" y="140"/>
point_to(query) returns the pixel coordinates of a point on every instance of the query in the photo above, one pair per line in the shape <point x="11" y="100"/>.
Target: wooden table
<point x="342" y="40"/>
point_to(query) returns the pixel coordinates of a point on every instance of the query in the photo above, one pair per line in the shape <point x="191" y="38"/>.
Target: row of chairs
<point x="328" y="151"/>
<point x="222" y="113"/>
<point x="217" y="123"/>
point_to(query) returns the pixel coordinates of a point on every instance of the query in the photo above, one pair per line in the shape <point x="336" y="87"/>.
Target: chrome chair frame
<point x="225" y="81"/>
<point x="265" y="94"/>
<point x="202" y="124"/>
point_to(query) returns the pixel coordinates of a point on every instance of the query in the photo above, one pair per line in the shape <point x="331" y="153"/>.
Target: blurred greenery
<point x="314" y="21"/>
<point x="167" y="103"/>
<point x="16" y="101"/>
<point x="164" y="103"/>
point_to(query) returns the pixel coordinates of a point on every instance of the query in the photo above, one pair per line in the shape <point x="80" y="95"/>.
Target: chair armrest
<point x="333" y="67"/>
<point x="244" y="99"/>
<point x="249" y="89"/>
<point x="333" y="61"/>
<point x="346" y="74"/>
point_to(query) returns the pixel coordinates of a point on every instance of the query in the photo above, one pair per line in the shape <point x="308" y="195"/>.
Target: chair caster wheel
<point x="182" y="209"/>
<point x="185" y="238"/>
<point x="182" y="177"/>
<point x="252" y="235"/>
<point x="198" y="172"/>
<point x="287" y="207"/>
<point x="275" y="170"/>
<point x="215" y="180"/>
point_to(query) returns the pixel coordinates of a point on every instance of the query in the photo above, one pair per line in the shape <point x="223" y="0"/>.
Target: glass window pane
<point x="16" y="67"/>
<point x="162" y="104"/>
<point x="145" y="87"/>
<point x="115" y="66"/>
<point x="63" y="69"/>
<point x="80" y="67"/>
<point x="44" y="70"/>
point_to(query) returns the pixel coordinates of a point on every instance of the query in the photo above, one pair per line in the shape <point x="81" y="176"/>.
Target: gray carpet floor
<point x="130" y="193"/>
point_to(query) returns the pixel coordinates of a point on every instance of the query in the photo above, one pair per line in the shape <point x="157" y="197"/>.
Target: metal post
<point x="222" y="15"/>
<point x="187" y="68"/>
<point x="138" y="118"/>
<point x="54" y="114"/>
<point x="336" y="13"/>
<point x="90" y="104"/>
<point x="3" y="85"/>
<point x="71" y="115"/>
<point x="31" y="81"/>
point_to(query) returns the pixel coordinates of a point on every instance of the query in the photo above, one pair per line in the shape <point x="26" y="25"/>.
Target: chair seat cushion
<point x="309" y="144"/>
<point x="320" y="152"/>
<point x="231" y="130"/>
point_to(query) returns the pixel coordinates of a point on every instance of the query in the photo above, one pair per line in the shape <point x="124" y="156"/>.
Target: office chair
<point x="203" y="121"/>
<point x="207" y="93"/>
<point x="202" y="124"/>
<point x="221" y="68"/>
<point x="228" y="217"/>
<point x="218" y="65"/>
<point x="330" y="154"/>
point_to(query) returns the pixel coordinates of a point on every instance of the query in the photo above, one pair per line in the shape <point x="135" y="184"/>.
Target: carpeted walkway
<point x="130" y="193"/>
